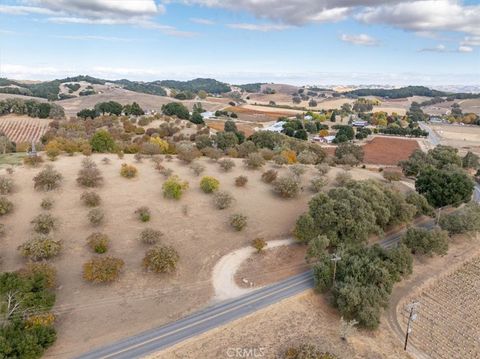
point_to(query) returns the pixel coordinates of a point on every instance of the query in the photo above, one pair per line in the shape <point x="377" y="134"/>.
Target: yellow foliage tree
<point x="53" y="150"/>
<point x="323" y="133"/>
<point x="162" y="144"/>
<point x="290" y="156"/>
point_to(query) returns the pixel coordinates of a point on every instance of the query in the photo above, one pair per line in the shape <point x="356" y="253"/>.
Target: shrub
<point x="48" y="179"/>
<point x="323" y="169"/>
<point x="44" y="223"/>
<point x="6" y="206"/>
<point x="307" y="157"/>
<point x="143" y="213"/>
<point x="187" y="152"/>
<point x="138" y="157"/>
<point x="269" y="176"/>
<point x="161" y="259"/>
<point x="90" y="199"/>
<point x="6" y="185"/>
<point x="150" y="236"/>
<point x="318" y="183"/>
<point x="280" y="160"/>
<point x="41" y="269"/>
<point x="102" y="269"/>
<point x="128" y="171"/>
<point x="226" y="164"/>
<point x="212" y="153"/>
<point x="343" y="178"/>
<point x="173" y="188"/>
<point x="287" y="186"/>
<point x="40" y="247"/>
<point x="89" y="175"/>
<point x="96" y="217"/>
<point x="222" y="199"/>
<point x="106" y="160"/>
<point x="102" y="141"/>
<point x="241" y="181"/>
<point x="165" y="172"/>
<point x="306" y="351"/>
<point x="391" y="176"/>
<point x="290" y="156"/>
<point x="267" y="154"/>
<point x="98" y="242"/>
<point x="47" y="203"/>
<point x="297" y="170"/>
<point x="2" y="232"/>
<point x="209" y="184"/>
<point x="254" y="160"/>
<point x="238" y="222"/>
<point x="197" y="168"/>
<point x="52" y="149"/>
<point x="33" y="161"/>
<point x="259" y="244"/>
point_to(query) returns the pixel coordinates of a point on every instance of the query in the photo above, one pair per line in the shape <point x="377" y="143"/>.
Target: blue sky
<point x="399" y="42"/>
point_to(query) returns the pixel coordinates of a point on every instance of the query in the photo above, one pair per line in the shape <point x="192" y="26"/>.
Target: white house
<point x="207" y="115"/>
<point x="276" y="127"/>
<point x="326" y="139"/>
<point x="359" y="123"/>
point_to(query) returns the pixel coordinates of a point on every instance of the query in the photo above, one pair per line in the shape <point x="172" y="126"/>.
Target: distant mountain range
<point x="70" y="87"/>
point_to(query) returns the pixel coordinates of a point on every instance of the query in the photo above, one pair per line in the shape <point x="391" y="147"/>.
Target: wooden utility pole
<point x="411" y="318"/>
<point x="335" y="258"/>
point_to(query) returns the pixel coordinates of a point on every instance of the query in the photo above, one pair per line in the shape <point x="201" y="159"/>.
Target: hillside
<point x="409" y="91"/>
<point x="78" y="86"/>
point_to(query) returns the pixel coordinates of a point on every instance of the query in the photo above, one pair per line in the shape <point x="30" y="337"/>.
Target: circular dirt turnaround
<point x="224" y="271"/>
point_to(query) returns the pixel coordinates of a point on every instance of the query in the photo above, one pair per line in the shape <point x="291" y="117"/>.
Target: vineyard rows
<point x="24" y="129"/>
<point x="448" y="315"/>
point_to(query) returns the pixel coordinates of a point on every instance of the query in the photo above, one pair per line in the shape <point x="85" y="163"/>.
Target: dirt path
<point x="426" y="271"/>
<point x="223" y="277"/>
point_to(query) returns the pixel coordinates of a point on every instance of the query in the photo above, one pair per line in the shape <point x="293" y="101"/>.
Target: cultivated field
<point x="388" y="150"/>
<point x="23" y="128"/>
<point x="448" y="319"/>
<point x="91" y="315"/>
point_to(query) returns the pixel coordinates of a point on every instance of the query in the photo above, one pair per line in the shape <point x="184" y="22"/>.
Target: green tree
<point x="470" y="160"/>
<point x="425" y="242"/>
<point x="176" y="109"/>
<point x="134" y="109"/>
<point x="197" y="118"/>
<point x="102" y="141"/>
<point x="226" y="140"/>
<point x="442" y="187"/>
<point x="463" y="220"/>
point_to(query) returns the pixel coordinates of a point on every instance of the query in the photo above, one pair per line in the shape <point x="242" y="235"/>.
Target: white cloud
<point x="442" y="48"/>
<point x="103" y="8"/>
<point x="92" y="37"/>
<point x="293" y="12"/>
<point x="201" y="21"/>
<point x="360" y="39"/>
<point x="138" y="13"/>
<point x="420" y="16"/>
<point x="471" y="41"/>
<point x="426" y="16"/>
<point x="465" y="49"/>
<point x="259" y="27"/>
<point x="438" y="48"/>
